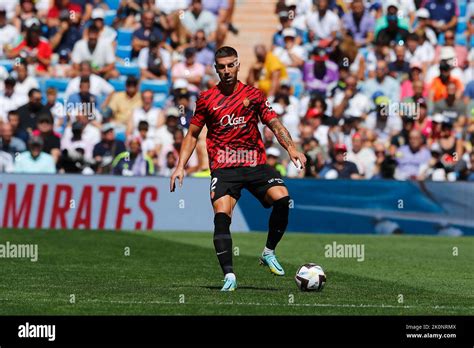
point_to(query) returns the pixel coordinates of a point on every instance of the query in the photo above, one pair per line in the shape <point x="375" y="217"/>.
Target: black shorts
<point x="257" y="180"/>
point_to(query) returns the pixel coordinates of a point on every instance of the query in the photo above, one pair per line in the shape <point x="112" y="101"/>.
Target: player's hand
<point x="298" y="158"/>
<point x="177" y="174"/>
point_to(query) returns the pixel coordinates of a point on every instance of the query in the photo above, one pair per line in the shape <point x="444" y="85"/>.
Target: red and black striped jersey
<point x="233" y="137"/>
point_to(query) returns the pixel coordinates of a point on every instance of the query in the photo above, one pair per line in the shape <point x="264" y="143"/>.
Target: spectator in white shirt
<point x="350" y="102"/>
<point x="89" y="135"/>
<point x="99" y="52"/>
<point x="197" y="18"/>
<point x="105" y="32"/>
<point x="164" y="134"/>
<point x="10" y="100"/>
<point x="323" y="23"/>
<point x="3" y="76"/>
<point x="292" y="55"/>
<point x="24" y="82"/>
<point x="6" y="162"/>
<point x="99" y="86"/>
<point x="8" y="33"/>
<point x="423" y="22"/>
<point x="147" y="139"/>
<point x="419" y="49"/>
<point x="363" y="157"/>
<point x="154" y="61"/>
<point x="169" y="7"/>
<point x="153" y="116"/>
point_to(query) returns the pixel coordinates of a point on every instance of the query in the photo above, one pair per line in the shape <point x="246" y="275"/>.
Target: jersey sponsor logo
<point x="217" y="107"/>
<point x="278" y="180"/>
<point x="231" y="120"/>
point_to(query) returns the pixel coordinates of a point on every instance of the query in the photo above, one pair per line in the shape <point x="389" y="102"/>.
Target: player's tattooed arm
<point x="285" y="140"/>
<point x="281" y="133"/>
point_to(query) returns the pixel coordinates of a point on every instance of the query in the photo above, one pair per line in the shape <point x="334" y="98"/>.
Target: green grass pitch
<point x="178" y="274"/>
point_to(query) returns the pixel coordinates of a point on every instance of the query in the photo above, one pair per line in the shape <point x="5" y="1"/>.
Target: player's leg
<point x="269" y="188"/>
<point x="223" y="208"/>
<point x="279" y="199"/>
<point x="225" y="192"/>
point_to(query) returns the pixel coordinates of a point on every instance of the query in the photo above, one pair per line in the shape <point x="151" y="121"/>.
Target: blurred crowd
<point x="367" y="89"/>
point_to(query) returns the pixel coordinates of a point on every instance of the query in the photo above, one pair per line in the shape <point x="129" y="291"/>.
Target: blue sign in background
<point x="355" y="206"/>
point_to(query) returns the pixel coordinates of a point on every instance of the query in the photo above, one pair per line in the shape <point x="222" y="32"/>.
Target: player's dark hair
<point x="225" y="51"/>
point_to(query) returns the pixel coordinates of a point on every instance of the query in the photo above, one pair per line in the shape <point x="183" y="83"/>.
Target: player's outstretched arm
<point x="284" y="138"/>
<point x="187" y="148"/>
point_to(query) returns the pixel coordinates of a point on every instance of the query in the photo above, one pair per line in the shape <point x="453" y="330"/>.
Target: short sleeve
<point x="109" y="53"/>
<point x="266" y="112"/>
<point x="76" y="55"/>
<point x="353" y="169"/>
<point x="199" y="116"/>
<point x="142" y="58"/>
<point x="137" y="34"/>
<point x="106" y="87"/>
<point x="46" y="51"/>
<point x="274" y="64"/>
<point x="113" y="103"/>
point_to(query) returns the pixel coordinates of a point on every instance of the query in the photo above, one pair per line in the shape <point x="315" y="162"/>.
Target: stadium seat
<point x="120" y="133"/>
<point x="118" y="84"/>
<point x="113" y="4"/>
<point x="461" y="39"/>
<point x="7" y="64"/>
<point x="462" y="26"/>
<point x="124" y="52"/>
<point x="124" y="37"/>
<point x="61" y="97"/>
<point x="109" y="17"/>
<point x="298" y="88"/>
<point x="155" y="86"/>
<point x="462" y="9"/>
<point x="159" y="101"/>
<point x="128" y="70"/>
<point x="441" y="39"/>
<point x="58" y="83"/>
<point x="294" y="75"/>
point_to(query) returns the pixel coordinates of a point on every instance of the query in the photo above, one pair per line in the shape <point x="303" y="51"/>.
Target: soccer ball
<point x="310" y="277"/>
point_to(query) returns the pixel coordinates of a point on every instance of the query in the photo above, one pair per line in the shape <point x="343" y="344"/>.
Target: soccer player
<point x="231" y="111"/>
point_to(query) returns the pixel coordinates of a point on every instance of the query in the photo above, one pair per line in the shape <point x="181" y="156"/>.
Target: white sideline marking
<point x="278" y="304"/>
<point x="334" y="305"/>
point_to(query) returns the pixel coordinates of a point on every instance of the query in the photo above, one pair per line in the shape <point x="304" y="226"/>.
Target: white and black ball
<point x="310" y="277"/>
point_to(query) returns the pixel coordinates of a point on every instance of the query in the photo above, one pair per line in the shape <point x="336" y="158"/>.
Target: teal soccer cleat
<point x="272" y="263"/>
<point x="230" y="282"/>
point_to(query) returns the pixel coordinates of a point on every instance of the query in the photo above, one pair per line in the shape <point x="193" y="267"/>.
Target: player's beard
<point x="229" y="81"/>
